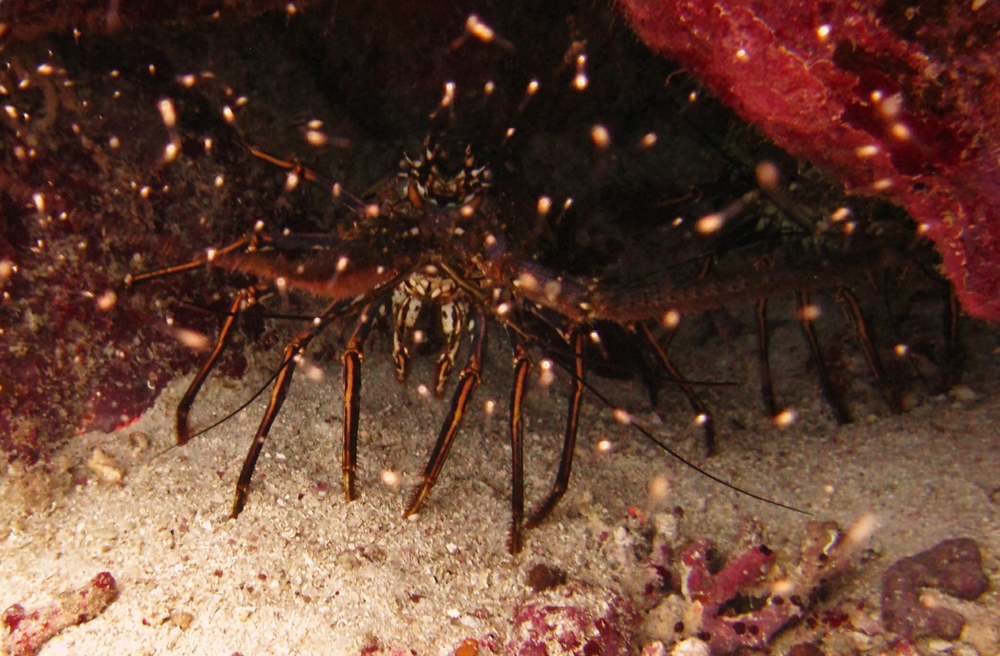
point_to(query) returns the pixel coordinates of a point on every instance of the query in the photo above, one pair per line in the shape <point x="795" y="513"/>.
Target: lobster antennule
<point x="317" y="274"/>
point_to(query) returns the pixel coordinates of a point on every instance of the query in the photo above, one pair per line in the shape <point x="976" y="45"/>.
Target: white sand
<point x="302" y="572"/>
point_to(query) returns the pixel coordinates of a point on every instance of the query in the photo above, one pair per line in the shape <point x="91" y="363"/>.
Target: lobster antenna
<point x="232" y="414"/>
<point x="684" y="461"/>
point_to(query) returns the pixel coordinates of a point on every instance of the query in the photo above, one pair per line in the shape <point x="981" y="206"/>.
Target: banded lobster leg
<point x="468" y="380"/>
<point x="522" y="367"/>
<point x="569" y="436"/>
<point x="293" y="352"/>
<point x="243" y="299"/>
<point x="351" y="360"/>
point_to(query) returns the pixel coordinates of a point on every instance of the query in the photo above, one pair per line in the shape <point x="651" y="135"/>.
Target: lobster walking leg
<point x="569" y="438"/>
<point x="857" y="320"/>
<point x="830" y="393"/>
<point x="764" y="359"/>
<point x="467" y="382"/>
<point x="242" y="300"/>
<point x="288" y="361"/>
<point x="704" y="415"/>
<point x="522" y="367"/>
<point x="351" y="360"/>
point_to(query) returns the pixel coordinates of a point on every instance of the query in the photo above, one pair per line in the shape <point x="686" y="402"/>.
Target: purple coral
<point x="718" y="594"/>
<point x="573" y="620"/>
<point x="952" y="566"/>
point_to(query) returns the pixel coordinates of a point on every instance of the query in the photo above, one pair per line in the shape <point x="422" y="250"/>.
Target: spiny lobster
<point x="438" y="235"/>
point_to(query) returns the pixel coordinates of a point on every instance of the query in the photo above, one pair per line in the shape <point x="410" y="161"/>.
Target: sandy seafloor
<point x="303" y="572"/>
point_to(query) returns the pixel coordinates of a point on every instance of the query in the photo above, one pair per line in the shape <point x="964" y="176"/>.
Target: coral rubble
<point x="952" y="566"/>
<point x="23" y="633"/>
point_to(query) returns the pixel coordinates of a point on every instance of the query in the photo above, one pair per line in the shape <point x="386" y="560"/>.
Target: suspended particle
<point x="882" y="184"/>
<point x="107" y="300"/>
<point x="290" y="9"/>
<point x="191" y="339"/>
<point x="671" y="319"/>
<point x="742" y="55"/>
<point x="313" y="372"/>
<point x="114" y="142"/>
<point x="316" y="138"/>
<point x="423" y="391"/>
<point x="210" y="254"/>
<point x="809" y="312"/>
<point x="227" y="114"/>
<point x="840" y="214"/>
<point x="489" y="87"/>
<point x="865" y="152"/>
<point x="601" y="136"/>
<point x="785" y="418"/>
<point x="901" y="350"/>
<point x="527" y="281"/>
<point x="167" y="113"/>
<point x="187" y="80"/>
<point x="479" y="29"/>
<point x="767" y="174"/>
<point x="45" y="69"/>
<point x="342" y="263"/>
<point x="595" y="337"/>
<point x="659" y="487"/>
<point x="701" y="419"/>
<point x="219" y="180"/>
<point x="544" y="205"/>
<point x="546" y="375"/>
<point x="390" y="478"/>
<point x="208" y="143"/>
<point x="649" y="140"/>
<point x="39" y="200"/>
<point x="11" y="111"/>
<point x="152" y="69"/>
<point x="901" y="132"/>
<point x="144" y="191"/>
<point x="693" y="96"/>
<point x="242" y="100"/>
<point x="622" y="416"/>
<point x="604" y="446"/>
<point x="170" y="151"/>
<point x="258" y="226"/>
<point x="710" y="223"/>
<point x="281" y="283"/>
<point x="291" y="181"/>
<point x="490" y="407"/>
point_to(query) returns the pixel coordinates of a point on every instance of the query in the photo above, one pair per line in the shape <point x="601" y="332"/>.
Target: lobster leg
<point x="522" y="367"/>
<point x="244" y="298"/>
<point x="290" y="358"/>
<point x="857" y="320"/>
<point x="467" y="382"/>
<point x="764" y="360"/>
<point x="569" y="439"/>
<point x="704" y="415"/>
<point x="351" y="359"/>
<point x="246" y="240"/>
<point x="833" y="397"/>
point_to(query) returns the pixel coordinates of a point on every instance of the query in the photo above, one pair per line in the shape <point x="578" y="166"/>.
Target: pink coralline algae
<point x="954" y="567"/>
<point x="749" y="601"/>
<point x="572" y="620"/>
<point x="896" y="101"/>
<point x="23" y="633"/>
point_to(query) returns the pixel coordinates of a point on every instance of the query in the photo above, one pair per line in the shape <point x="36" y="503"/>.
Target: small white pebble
<point x="691" y="647"/>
